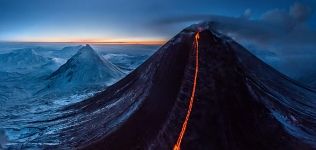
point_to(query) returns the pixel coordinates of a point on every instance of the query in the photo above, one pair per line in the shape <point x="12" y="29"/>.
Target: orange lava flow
<point x="177" y="146"/>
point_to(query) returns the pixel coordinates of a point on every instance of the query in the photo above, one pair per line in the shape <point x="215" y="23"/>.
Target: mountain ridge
<point x="22" y="59"/>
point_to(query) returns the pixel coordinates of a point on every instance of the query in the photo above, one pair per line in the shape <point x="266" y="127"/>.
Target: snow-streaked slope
<point x="84" y="69"/>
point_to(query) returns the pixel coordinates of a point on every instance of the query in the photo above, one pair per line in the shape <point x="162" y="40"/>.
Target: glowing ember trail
<point x="177" y="146"/>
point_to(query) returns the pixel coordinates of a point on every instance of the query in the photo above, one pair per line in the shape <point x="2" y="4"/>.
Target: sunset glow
<point x="96" y="41"/>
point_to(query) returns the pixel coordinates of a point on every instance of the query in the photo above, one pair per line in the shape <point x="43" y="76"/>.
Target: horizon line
<point x="158" y="42"/>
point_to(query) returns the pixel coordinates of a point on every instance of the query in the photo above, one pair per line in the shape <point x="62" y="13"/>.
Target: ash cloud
<point x="275" y="26"/>
<point x="284" y="32"/>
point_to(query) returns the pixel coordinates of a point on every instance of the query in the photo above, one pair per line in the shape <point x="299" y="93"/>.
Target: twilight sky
<point x="130" y="20"/>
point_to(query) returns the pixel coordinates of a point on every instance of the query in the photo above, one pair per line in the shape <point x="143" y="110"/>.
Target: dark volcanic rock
<point x="240" y="101"/>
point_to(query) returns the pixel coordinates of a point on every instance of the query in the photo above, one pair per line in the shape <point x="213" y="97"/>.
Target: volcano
<point x="201" y="90"/>
<point x="86" y="66"/>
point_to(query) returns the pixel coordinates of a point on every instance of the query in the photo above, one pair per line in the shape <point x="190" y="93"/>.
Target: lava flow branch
<point x="177" y="146"/>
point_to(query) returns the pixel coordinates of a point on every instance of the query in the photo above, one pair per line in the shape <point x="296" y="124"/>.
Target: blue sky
<point x="116" y="20"/>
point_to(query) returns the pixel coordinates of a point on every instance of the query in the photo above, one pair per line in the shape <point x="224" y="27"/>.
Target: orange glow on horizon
<point x="96" y="41"/>
<point x="177" y="146"/>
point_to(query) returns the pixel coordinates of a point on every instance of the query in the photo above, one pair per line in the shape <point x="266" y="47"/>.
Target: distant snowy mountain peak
<point x="25" y="56"/>
<point x="84" y="69"/>
<point x="88" y="47"/>
<point x="86" y="53"/>
<point x="21" y="60"/>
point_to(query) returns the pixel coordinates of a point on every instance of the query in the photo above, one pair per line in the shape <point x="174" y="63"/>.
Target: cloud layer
<point x="284" y="32"/>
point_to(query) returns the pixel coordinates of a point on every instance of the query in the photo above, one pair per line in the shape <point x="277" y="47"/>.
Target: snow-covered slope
<point x="84" y="69"/>
<point x="21" y="60"/>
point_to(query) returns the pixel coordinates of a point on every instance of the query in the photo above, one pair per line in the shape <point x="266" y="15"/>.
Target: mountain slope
<point x="84" y="68"/>
<point x="201" y="90"/>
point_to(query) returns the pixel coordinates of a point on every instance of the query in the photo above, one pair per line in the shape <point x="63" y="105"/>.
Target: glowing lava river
<point x="222" y="97"/>
<point x="177" y="146"/>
